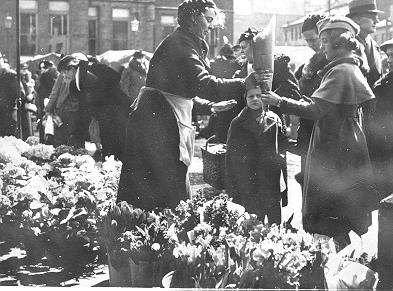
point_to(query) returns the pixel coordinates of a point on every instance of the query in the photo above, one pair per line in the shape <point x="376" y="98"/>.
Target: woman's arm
<point x="314" y="110"/>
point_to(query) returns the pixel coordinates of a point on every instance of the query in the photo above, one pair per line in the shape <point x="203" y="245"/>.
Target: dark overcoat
<point x="9" y="91"/>
<point x="254" y="165"/>
<point x="380" y="135"/>
<point x="102" y="98"/>
<point x="152" y="174"/>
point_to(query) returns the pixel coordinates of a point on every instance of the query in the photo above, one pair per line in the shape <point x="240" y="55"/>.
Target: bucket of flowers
<point x="137" y="245"/>
<point x="202" y="256"/>
<point x="274" y="256"/>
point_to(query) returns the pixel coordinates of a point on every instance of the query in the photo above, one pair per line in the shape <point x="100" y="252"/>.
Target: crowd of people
<point x="143" y="115"/>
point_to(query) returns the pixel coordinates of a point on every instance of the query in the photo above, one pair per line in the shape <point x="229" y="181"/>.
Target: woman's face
<point x="204" y="22"/>
<point x="254" y="99"/>
<point x="247" y="50"/>
<point x="327" y="46"/>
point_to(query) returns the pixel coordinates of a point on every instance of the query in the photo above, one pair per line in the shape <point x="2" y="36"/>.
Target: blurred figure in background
<point x="28" y="108"/>
<point x="237" y="51"/>
<point x="97" y="85"/>
<point x="69" y="112"/>
<point x="224" y="65"/>
<point x="309" y="81"/>
<point x="9" y="91"/>
<point x="380" y="139"/>
<point x="46" y="81"/>
<point x="133" y="77"/>
<point x="366" y="15"/>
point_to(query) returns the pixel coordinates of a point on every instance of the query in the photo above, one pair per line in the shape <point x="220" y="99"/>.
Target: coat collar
<point x="342" y="60"/>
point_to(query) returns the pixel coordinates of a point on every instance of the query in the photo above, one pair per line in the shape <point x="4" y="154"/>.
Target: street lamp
<point x="134" y="30"/>
<point x="8" y="24"/>
<point x="134" y="24"/>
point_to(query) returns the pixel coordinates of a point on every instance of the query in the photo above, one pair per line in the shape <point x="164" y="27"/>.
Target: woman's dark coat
<point x="152" y="174"/>
<point x="253" y="166"/>
<point x="102" y="97"/>
<point x="338" y="190"/>
<point x="380" y="135"/>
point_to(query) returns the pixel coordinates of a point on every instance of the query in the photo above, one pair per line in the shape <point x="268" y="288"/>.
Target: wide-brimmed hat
<point x="341" y="22"/>
<point x="362" y="6"/>
<point x="386" y="44"/>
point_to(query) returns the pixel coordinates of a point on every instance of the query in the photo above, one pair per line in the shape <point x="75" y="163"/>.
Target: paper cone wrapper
<point x="263" y="49"/>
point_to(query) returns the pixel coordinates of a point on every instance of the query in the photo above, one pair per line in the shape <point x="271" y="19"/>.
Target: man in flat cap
<point x="381" y="128"/>
<point x="365" y="14"/>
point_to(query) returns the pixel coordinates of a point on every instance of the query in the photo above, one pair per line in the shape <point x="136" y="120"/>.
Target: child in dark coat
<point x="253" y="161"/>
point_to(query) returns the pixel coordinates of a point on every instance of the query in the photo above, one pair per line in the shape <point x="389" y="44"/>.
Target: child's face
<point x="254" y="98"/>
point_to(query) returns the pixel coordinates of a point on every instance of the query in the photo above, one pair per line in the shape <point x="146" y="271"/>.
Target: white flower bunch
<point x="11" y="149"/>
<point x="41" y="151"/>
<point x="187" y="252"/>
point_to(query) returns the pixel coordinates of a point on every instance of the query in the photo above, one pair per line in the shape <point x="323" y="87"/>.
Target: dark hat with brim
<point x="67" y="61"/>
<point x="362" y="6"/>
<point x="138" y="55"/>
<point x="386" y="44"/>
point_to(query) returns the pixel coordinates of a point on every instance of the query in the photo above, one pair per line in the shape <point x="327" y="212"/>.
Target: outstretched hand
<point x="271" y="98"/>
<point x="224" y="105"/>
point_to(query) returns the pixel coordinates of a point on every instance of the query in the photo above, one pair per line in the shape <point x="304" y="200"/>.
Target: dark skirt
<point x="152" y="174"/>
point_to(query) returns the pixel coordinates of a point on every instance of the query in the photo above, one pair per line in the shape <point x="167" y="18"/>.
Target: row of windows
<point x="59" y="33"/>
<point x="58" y="29"/>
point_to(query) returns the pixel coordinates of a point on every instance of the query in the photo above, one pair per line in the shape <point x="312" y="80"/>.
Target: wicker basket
<point x="213" y="166"/>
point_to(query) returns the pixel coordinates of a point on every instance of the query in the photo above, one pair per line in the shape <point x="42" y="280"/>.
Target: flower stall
<point x="60" y="207"/>
<point x="52" y="200"/>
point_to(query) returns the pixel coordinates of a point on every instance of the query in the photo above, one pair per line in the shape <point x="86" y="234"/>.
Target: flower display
<point x="61" y="205"/>
<point x="57" y="199"/>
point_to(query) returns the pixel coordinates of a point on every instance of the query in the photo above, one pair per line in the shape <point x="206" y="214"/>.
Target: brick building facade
<point x="95" y="26"/>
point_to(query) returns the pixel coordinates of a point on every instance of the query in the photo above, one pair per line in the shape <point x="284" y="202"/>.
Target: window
<point x="120" y="35"/>
<point x="121" y="20"/>
<point x="92" y="37"/>
<point x="93" y="30"/>
<point x="28" y="34"/>
<point x="58" y="24"/>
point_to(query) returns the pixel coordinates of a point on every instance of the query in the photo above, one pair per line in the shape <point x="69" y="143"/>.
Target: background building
<point x="95" y="26"/>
